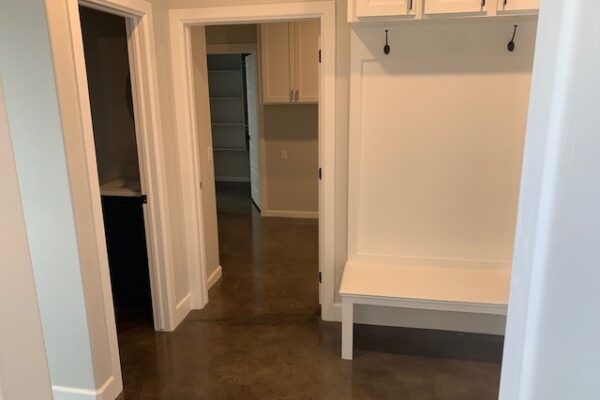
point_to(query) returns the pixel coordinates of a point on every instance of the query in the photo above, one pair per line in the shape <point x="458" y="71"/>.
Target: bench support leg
<point x="347" y="329"/>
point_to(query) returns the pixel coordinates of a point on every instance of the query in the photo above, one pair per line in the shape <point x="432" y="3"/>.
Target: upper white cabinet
<point x="276" y="60"/>
<point x="290" y="70"/>
<point x="380" y="8"/>
<point x="305" y="63"/>
<point x="518" y="5"/>
<point x="455" y="6"/>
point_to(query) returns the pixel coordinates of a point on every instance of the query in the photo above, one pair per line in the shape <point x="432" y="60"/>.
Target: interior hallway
<point x="260" y="337"/>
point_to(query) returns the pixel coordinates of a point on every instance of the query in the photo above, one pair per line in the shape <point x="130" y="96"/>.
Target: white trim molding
<point x="182" y="308"/>
<point x="181" y="20"/>
<point x="109" y="390"/>
<point x="214" y="276"/>
<point x="290" y="214"/>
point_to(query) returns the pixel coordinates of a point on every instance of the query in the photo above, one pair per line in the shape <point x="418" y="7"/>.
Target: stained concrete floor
<point x="260" y="336"/>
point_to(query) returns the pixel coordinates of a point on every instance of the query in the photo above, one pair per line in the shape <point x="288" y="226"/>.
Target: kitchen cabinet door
<point x="277" y="54"/>
<point x="305" y="65"/>
<point x="383" y="8"/>
<point x="518" y="5"/>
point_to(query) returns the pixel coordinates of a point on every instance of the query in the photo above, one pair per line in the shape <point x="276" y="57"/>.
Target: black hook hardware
<point x="511" y="44"/>
<point x="386" y="48"/>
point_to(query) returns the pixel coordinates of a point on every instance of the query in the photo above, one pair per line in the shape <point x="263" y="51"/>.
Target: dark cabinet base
<point x="127" y="257"/>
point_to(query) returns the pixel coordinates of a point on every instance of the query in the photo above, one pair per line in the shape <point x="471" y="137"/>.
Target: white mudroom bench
<point x="469" y="290"/>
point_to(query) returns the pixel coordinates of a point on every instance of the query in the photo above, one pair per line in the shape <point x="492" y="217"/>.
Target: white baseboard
<point x="425" y="319"/>
<point x="232" y="179"/>
<point x="109" y="390"/>
<point x="214" y="276"/>
<point x="290" y="214"/>
<point x="182" y="309"/>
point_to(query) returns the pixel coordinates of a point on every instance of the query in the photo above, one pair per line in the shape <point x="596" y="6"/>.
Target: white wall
<point x="292" y="184"/>
<point x="551" y="350"/>
<point x="23" y="364"/>
<point x="77" y="329"/>
<point x="439" y="131"/>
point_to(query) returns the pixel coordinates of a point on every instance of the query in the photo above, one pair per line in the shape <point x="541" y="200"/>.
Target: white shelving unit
<point x="228" y="114"/>
<point x="226" y="89"/>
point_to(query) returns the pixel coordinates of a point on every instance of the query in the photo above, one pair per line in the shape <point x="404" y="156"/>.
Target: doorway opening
<point x="232" y="81"/>
<point x="107" y="59"/>
<point x="262" y="85"/>
<point x="193" y="123"/>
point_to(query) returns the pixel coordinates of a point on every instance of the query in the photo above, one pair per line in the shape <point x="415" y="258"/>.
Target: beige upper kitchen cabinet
<point x="381" y="8"/>
<point x="276" y="59"/>
<point x="290" y="70"/>
<point x="305" y="64"/>
<point x="424" y="9"/>
<point x="518" y="5"/>
<point x="456" y="6"/>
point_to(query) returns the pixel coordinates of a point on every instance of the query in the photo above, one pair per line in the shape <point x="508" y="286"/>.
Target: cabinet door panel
<point x="455" y="6"/>
<point x="377" y="8"/>
<point x="306" y="64"/>
<point x="518" y="5"/>
<point x="276" y="59"/>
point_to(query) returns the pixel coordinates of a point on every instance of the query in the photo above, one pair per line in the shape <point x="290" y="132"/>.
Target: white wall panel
<point x="437" y="132"/>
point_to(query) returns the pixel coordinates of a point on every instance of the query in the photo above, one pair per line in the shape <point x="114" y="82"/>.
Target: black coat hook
<point x="511" y="44"/>
<point x="386" y="48"/>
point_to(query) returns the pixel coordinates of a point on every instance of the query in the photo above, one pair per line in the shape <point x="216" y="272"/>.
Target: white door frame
<point x="180" y="22"/>
<point x="138" y="14"/>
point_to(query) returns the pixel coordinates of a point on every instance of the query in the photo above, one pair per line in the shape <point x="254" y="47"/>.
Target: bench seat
<point x="483" y="291"/>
